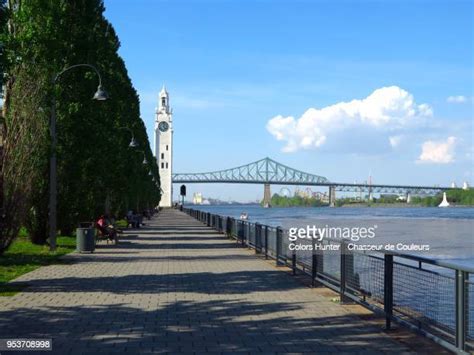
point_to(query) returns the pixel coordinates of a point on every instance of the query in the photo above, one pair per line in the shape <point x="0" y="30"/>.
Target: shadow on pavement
<point x="187" y="326"/>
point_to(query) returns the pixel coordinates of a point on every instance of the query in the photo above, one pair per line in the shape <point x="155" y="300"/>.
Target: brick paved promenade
<point x="177" y="286"/>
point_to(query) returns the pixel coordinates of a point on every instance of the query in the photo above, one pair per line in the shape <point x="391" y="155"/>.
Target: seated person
<point x="132" y="219"/>
<point x="106" y="229"/>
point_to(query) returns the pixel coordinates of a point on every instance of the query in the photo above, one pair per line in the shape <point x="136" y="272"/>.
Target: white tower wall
<point x="164" y="147"/>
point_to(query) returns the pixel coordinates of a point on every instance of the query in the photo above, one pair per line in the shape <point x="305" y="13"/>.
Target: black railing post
<point x="240" y="231"/>
<point x="314" y="266"/>
<point x="228" y="227"/>
<point x="343" y="283"/>
<point x="279" y="237"/>
<point x="461" y="311"/>
<point x="258" y="243"/>
<point x="293" y="261"/>
<point x="247" y="234"/>
<point x="266" y="242"/>
<point x="234" y="232"/>
<point x="388" y="290"/>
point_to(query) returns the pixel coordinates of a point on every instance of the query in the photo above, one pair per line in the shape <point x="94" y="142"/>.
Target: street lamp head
<point x="149" y="173"/>
<point x="133" y="143"/>
<point x="100" y="94"/>
<point x="144" y="162"/>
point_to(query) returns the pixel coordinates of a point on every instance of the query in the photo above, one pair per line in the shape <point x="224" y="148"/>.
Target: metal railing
<point x="426" y="295"/>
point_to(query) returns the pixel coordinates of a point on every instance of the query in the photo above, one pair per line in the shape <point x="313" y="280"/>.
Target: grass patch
<point x="23" y="257"/>
<point x="121" y="223"/>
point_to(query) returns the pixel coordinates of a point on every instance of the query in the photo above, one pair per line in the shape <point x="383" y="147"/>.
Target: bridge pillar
<point x="332" y="196"/>
<point x="408" y="197"/>
<point x="267" y="196"/>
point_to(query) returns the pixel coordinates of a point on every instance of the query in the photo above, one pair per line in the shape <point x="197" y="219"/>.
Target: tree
<point x="96" y="169"/>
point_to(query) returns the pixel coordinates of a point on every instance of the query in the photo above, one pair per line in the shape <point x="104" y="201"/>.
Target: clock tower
<point x="164" y="147"/>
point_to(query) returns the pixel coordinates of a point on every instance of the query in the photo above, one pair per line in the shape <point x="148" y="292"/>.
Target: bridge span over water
<point x="270" y="172"/>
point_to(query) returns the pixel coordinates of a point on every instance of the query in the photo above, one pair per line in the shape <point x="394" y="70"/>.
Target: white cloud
<point x="456" y="99"/>
<point x="395" y="140"/>
<point x="438" y="152"/>
<point x="386" y="109"/>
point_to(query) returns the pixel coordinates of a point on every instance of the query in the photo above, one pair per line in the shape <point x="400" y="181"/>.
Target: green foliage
<point x="454" y="197"/>
<point x="24" y="256"/>
<point x="388" y="199"/>
<point x="3" y="24"/>
<point x="428" y="201"/>
<point x="461" y="197"/>
<point x="121" y="223"/>
<point x="295" y="201"/>
<point x="97" y="171"/>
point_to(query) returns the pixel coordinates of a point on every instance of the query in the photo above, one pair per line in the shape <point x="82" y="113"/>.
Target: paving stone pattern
<point x="176" y="286"/>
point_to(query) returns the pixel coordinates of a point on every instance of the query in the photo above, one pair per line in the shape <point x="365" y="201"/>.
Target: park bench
<point x="135" y="220"/>
<point x="105" y="234"/>
<point x="101" y="232"/>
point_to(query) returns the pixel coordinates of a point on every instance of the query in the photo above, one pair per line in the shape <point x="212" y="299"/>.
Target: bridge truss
<point x="271" y="172"/>
<point x="264" y="171"/>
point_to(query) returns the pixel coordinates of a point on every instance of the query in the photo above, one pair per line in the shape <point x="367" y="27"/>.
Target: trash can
<point x="85" y="240"/>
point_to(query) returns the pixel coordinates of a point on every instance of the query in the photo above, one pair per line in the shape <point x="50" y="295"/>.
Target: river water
<point x="427" y="296"/>
<point x="449" y="232"/>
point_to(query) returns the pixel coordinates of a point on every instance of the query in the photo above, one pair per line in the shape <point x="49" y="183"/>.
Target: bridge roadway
<point x="177" y="286"/>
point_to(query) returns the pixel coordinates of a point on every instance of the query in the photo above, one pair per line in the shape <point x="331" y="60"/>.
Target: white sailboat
<point x="445" y="202"/>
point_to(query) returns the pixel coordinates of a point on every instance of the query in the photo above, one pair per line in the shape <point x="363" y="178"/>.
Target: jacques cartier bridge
<point x="270" y="172"/>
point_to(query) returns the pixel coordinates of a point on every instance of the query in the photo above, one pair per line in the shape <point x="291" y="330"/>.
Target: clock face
<point x="163" y="126"/>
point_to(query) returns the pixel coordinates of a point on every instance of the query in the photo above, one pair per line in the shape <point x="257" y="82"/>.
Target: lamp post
<point x="100" y="95"/>
<point x="133" y="142"/>
<point x="145" y="161"/>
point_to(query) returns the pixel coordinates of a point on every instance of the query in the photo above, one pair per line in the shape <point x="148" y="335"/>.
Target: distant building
<point x="389" y="196"/>
<point x="197" y="198"/>
<point x="320" y="196"/>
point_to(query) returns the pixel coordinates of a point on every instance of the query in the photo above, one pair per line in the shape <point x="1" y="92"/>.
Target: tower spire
<point x="164" y="100"/>
<point x="163" y="91"/>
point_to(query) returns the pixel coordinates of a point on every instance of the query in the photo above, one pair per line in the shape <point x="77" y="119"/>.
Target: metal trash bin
<point x="85" y="240"/>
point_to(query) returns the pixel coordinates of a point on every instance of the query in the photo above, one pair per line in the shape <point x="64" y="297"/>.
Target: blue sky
<point x="249" y="79"/>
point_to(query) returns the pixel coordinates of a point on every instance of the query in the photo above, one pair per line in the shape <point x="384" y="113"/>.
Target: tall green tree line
<point x="97" y="171"/>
